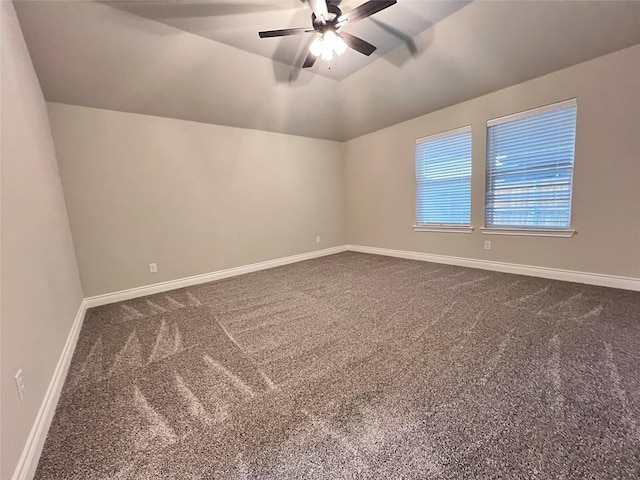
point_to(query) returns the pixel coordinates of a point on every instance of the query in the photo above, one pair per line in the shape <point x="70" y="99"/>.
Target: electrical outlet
<point x="20" y="385"/>
<point x="487" y="244"/>
<point x="318" y="239"/>
<point x="153" y="268"/>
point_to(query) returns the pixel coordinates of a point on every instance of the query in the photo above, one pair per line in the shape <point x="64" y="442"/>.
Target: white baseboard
<point x="627" y="283"/>
<point x="207" y="277"/>
<point x="28" y="461"/>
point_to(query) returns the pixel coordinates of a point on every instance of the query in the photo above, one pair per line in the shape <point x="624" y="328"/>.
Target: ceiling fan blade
<point x="284" y="32"/>
<point x="309" y="61"/>
<point x="365" y="10"/>
<point x="357" y="43"/>
<point x="319" y="7"/>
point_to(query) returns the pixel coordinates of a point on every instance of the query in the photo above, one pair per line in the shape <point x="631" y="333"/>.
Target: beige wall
<point x="40" y="287"/>
<point x="191" y="197"/>
<point x="380" y="178"/>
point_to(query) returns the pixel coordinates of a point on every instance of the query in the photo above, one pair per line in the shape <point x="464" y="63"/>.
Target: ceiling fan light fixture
<point x="334" y="42"/>
<point x="327" y="54"/>
<point x="327" y="44"/>
<point x="317" y="46"/>
<point x="340" y="46"/>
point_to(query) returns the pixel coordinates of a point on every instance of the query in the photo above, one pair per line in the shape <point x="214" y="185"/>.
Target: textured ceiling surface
<point x="237" y="24"/>
<point x="203" y="61"/>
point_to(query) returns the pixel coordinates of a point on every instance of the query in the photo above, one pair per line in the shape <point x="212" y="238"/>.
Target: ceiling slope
<point x="92" y="54"/>
<point x="484" y="47"/>
<point x="237" y="23"/>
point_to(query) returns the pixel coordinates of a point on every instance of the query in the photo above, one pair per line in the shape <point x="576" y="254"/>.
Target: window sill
<point x="443" y="228"/>
<point x="531" y="232"/>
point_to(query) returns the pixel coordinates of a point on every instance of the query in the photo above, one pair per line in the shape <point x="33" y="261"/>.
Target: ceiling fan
<point x="326" y="19"/>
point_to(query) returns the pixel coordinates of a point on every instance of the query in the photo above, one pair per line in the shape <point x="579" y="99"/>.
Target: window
<point x="443" y="181"/>
<point x="530" y="169"/>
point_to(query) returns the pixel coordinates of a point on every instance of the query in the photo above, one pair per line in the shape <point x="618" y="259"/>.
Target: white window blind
<point x="530" y="168"/>
<point x="443" y="178"/>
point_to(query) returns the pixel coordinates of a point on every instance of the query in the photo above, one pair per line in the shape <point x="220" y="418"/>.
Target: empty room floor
<point x="355" y="366"/>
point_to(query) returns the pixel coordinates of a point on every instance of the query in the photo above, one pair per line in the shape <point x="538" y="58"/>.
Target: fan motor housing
<point x="332" y="9"/>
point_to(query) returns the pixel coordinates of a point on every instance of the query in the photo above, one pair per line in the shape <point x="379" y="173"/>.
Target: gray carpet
<point x="355" y="366"/>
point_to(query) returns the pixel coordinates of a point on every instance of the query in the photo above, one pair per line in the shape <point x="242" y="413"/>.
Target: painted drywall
<point x="39" y="284"/>
<point x="380" y="174"/>
<point x="192" y="197"/>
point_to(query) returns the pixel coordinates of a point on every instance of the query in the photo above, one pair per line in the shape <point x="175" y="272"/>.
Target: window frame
<point x="563" y="231"/>
<point x="436" y="226"/>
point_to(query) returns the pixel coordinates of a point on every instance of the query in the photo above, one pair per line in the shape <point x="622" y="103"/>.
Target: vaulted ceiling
<point x="203" y="61"/>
